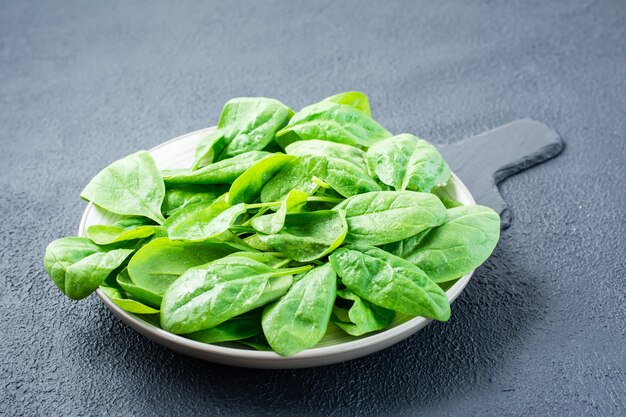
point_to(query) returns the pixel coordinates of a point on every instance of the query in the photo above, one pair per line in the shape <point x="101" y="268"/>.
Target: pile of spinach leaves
<point x="287" y="223"/>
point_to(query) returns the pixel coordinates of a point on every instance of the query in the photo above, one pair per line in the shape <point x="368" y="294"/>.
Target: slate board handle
<point x="485" y="160"/>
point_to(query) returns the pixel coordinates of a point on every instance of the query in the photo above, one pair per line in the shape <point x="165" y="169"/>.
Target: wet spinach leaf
<point x="390" y="282"/>
<point x="309" y="236"/>
<point x="459" y="245"/>
<point x="361" y="316"/>
<point x="210" y="294"/>
<point x="383" y="217"/>
<point x="125" y="303"/>
<point x="131" y="186"/>
<point x="298" y="320"/>
<point x="222" y="172"/>
<point x="247" y="187"/>
<point x="407" y="162"/>
<point x="237" y="328"/>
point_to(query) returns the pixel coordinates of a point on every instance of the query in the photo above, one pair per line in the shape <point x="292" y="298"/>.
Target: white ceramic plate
<point x="336" y="346"/>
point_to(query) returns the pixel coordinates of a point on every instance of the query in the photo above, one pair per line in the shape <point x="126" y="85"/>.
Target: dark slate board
<point x="539" y="330"/>
<point x="485" y="160"/>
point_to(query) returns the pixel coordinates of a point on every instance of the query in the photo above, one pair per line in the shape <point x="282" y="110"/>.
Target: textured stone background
<point x="539" y="331"/>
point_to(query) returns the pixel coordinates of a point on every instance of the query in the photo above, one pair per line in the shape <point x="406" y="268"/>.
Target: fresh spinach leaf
<point x="309" y="236"/>
<point x="333" y="122"/>
<point x="296" y="174"/>
<point x="272" y="223"/>
<point x="178" y="198"/>
<point x="159" y="263"/>
<point x="459" y="245"/>
<point x="247" y="187"/>
<point x="361" y="316"/>
<point x="210" y="294"/>
<point x="354" y="99"/>
<point x="140" y="294"/>
<point x="407" y="162"/>
<point x="222" y="172"/>
<point x="390" y="282"/>
<point x="237" y="328"/>
<point x="197" y="224"/>
<point x="209" y="149"/>
<point x="105" y="235"/>
<point x="329" y="150"/>
<point x="78" y="266"/>
<point x="298" y="320"/>
<point x="125" y="303"/>
<point x="383" y="217"/>
<point x="130" y="186"/>
<point x="348" y="179"/>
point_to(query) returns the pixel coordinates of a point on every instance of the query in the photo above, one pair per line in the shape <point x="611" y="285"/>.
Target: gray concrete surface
<point x="539" y="331"/>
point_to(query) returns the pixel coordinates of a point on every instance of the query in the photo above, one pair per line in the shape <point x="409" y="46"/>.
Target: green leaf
<point x="209" y="149"/>
<point x="333" y="122"/>
<point x="407" y="162"/>
<point x="256" y="243"/>
<point x="140" y="294"/>
<point x="272" y="223"/>
<point x="210" y="294"/>
<point x="329" y="150"/>
<point x="105" y="235"/>
<point x="298" y="320"/>
<point x="237" y="328"/>
<point x="348" y="179"/>
<point x="222" y="172"/>
<point x="361" y="317"/>
<point x="86" y="275"/>
<point x="309" y="236"/>
<point x="178" y="198"/>
<point x="62" y="256"/>
<point x="247" y="188"/>
<point x="296" y="174"/>
<point x="383" y="217"/>
<point x="354" y="99"/>
<point x="459" y="245"/>
<point x="390" y="282"/>
<point x="197" y="224"/>
<point x="125" y="303"/>
<point x="159" y="263"/>
<point x="250" y="123"/>
<point x="131" y="186"/>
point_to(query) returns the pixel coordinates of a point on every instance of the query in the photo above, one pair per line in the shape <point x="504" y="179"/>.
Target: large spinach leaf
<point x="78" y="266"/>
<point x="296" y="174"/>
<point x="210" y="294"/>
<point x="458" y="246"/>
<point x="390" y="281"/>
<point x="178" y="198"/>
<point x="156" y="265"/>
<point x="407" y="162"/>
<point x="348" y="179"/>
<point x="196" y="223"/>
<point x="383" y="217"/>
<point x="298" y="320"/>
<point x="333" y="122"/>
<point x="106" y="235"/>
<point x="142" y="295"/>
<point x="247" y="188"/>
<point x="246" y="124"/>
<point x="131" y="186"/>
<point x="329" y="150"/>
<point x="222" y="172"/>
<point x="309" y="236"/>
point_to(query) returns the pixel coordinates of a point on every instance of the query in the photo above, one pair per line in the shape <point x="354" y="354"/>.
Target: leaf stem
<point x="283" y="263"/>
<point x="325" y="199"/>
<point x="263" y="205"/>
<point x="293" y="271"/>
